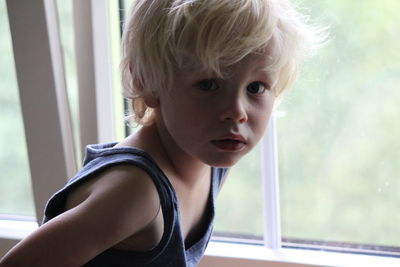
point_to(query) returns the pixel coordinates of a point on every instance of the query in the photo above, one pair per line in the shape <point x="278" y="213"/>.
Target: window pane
<point x="239" y="204"/>
<point x="338" y="130"/>
<point x="15" y="184"/>
<point x="117" y="11"/>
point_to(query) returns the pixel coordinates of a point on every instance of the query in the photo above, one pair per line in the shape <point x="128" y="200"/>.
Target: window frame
<point x="58" y="129"/>
<point x="49" y="122"/>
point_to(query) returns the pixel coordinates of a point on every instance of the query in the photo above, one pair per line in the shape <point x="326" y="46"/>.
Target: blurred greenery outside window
<point x="338" y="148"/>
<point x="337" y="134"/>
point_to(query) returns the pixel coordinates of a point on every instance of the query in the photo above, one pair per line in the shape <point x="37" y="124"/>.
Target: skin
<point x="202" y="121"/>
<point x="200" y="109"/>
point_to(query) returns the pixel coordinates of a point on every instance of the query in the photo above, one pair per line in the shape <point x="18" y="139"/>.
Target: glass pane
<point x="15" y="182"/>
<point x="239" y="204"/>
<point x="126" y="3"/>
<point x="130" y="126"/>
<point x="339" y="127"/>
<point x="117" y="11"/>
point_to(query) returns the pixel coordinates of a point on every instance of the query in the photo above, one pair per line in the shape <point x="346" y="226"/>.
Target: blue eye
<point x="207" y="85"/>
<point x="256" y="88"/>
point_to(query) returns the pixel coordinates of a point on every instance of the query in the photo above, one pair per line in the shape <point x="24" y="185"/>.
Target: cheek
<point x="260" y="117"/>
<point x="181" y="118"/>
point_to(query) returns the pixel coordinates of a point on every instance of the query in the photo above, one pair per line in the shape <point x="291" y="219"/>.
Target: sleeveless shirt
<point x="170" y="251"/>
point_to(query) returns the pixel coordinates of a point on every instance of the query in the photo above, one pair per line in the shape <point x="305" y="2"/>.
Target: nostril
<point x="234" y="109"/>
<point x="240" y="118"/>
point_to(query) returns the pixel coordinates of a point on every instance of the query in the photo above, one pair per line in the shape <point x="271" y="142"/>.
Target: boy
<point x="202" y="77"/>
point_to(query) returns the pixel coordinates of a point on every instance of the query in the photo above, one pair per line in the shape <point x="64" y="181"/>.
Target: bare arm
<point x="112" y="212"/>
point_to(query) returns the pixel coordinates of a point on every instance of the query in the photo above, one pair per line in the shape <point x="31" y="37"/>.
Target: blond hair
<point x="164" y="36"/>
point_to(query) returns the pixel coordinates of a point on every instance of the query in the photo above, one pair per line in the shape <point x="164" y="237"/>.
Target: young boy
<point x="202" y="77"/>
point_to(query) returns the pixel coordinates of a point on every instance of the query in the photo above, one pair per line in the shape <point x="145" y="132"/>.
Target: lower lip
<point x="229" y="145"/>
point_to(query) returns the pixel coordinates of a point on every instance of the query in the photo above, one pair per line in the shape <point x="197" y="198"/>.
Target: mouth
<point x="230" y="144"/>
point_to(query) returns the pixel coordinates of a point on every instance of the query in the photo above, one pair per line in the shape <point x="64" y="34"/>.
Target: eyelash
<point x="264" y="88"/>
<point x="208" y="85"/>
<point x="204" y="85"/>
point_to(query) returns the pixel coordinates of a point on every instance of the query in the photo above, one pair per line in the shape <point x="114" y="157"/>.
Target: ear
<point x="151" y="99"/>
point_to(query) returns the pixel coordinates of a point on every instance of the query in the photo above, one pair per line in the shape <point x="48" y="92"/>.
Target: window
<point x="338" y="133"/>
<point x="337" y="153"/>
<point x="15" y="186"/>
<point x="337" y="141"/>
<point x="240" y="200"/>
<point x="79" y="64"/>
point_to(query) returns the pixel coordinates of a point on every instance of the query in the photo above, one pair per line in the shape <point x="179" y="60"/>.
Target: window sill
<point x="232" y="254"/>
<point x="16" y="229"/>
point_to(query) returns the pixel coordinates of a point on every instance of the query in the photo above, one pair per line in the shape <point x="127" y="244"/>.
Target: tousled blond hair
<point x="164" y="36"/>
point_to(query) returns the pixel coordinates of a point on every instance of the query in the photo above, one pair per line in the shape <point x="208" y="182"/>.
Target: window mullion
<point x="101" y="35"/>
<point x="270" y="187"/>
<point x="93" y="58"/>
<point x="85" y="73"/>
<point x="56" y="52"/>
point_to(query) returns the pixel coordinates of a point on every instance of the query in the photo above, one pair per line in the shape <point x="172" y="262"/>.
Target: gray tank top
<point x="171" y="249"/>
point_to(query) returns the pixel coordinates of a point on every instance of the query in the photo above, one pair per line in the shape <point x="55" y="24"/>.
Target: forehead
<point x="259" y="61"/>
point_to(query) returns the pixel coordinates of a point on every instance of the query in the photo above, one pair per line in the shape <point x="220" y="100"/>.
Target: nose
<point x="234" y="109"/>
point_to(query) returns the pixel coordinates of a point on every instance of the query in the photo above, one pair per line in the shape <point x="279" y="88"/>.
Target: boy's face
<point x="217" y="120"/>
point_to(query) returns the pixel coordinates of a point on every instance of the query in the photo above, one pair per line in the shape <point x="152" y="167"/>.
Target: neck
<point x="177" y="164"/>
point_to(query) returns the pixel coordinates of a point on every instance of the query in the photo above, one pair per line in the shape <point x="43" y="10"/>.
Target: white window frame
<point x="94" y="40"/>
<point x="94" y="68"/>
<point x="44" y="103"/>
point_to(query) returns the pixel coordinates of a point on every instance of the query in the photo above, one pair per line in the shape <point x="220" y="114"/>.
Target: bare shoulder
<point x="115" y="205"/>
<point x="122" y="180"/>
<point x="121" y="201"/>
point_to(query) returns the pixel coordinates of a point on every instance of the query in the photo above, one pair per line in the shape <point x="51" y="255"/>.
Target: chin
<point x="223" y="162"/>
